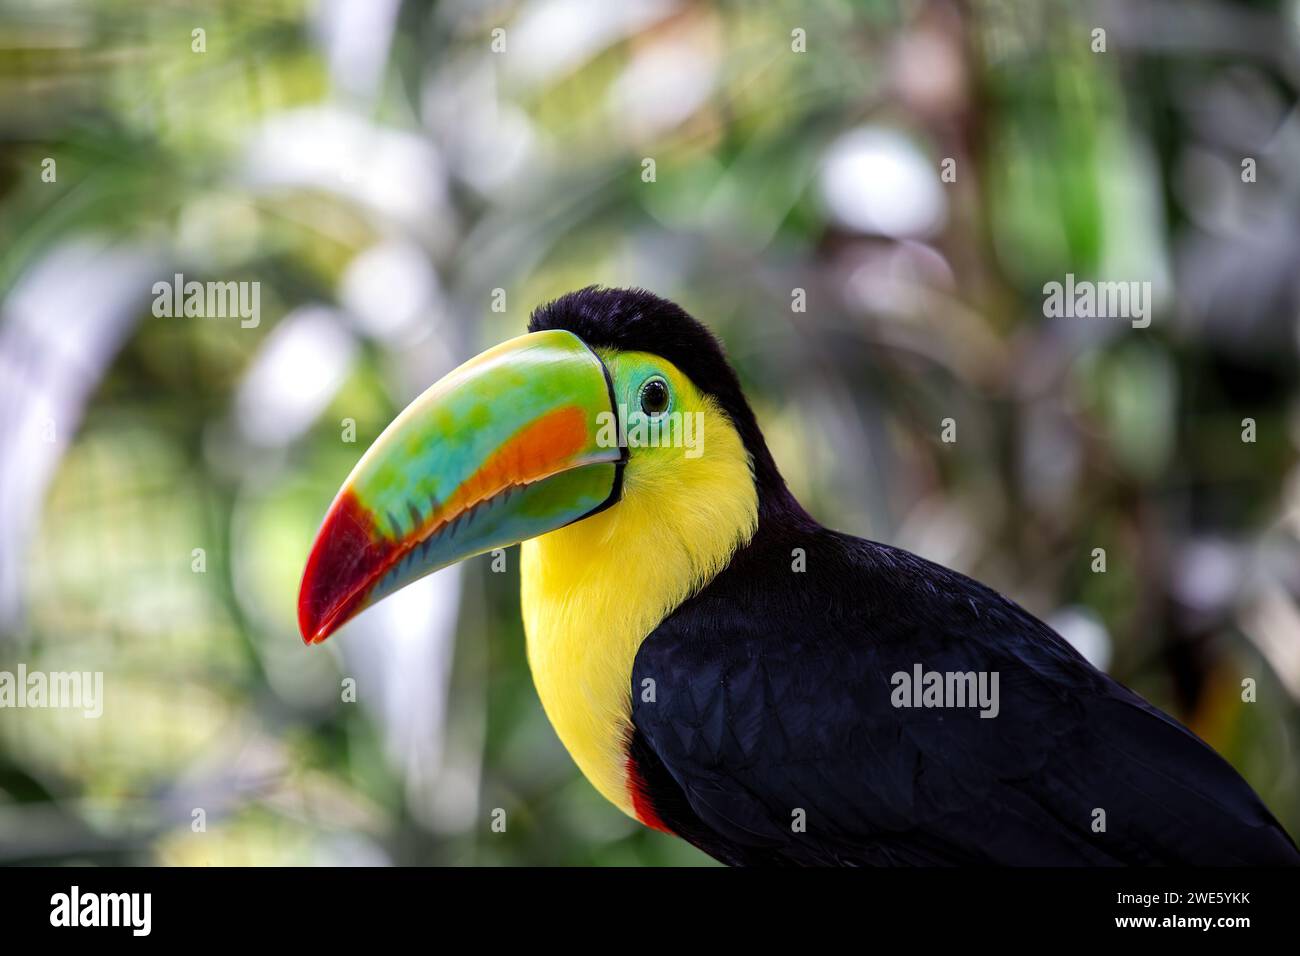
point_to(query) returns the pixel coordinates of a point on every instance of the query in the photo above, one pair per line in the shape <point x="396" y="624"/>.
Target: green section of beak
<point x="512" y="444"/>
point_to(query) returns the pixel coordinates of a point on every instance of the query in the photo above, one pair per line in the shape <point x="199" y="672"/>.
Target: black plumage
<point x="773" y="698"/>
<point x="773" y="695"/>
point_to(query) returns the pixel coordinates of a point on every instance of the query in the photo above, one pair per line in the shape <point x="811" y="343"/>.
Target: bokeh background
<point x="382" y="171"/>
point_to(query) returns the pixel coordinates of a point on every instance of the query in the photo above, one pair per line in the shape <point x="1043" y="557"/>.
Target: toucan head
<point x="614" y="399"/>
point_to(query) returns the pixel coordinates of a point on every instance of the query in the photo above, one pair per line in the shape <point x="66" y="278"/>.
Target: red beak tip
<point x="311" y="638"/>
<point x="342" y="559"/>
<point x="310" y="626"/>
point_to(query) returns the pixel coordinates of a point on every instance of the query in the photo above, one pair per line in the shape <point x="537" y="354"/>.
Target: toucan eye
<point x="654" y="396"/>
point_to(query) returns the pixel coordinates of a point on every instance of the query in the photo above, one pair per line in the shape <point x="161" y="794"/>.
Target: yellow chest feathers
<point x="592" y="591"/>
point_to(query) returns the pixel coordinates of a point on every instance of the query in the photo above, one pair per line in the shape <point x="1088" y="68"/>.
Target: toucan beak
<point x="512" y="444"/>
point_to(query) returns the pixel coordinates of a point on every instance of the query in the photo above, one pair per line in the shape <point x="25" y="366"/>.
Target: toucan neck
<point x="593" y="590"/>
<point x="777" y="505"/>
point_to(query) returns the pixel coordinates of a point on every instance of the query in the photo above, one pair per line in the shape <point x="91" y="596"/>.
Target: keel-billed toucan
<point x="724" y="668"/>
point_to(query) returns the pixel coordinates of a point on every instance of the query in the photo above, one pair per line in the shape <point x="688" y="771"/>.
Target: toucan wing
<point x="769" y="731"/>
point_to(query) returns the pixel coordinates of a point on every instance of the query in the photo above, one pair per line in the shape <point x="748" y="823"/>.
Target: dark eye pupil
<point x="654" y="397"/>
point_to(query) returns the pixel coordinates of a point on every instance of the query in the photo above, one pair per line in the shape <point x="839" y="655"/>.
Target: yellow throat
<point x="593" y="590"/>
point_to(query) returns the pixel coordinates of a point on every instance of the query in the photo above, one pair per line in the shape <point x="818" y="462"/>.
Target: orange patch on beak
<point x="351" y="554"/>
